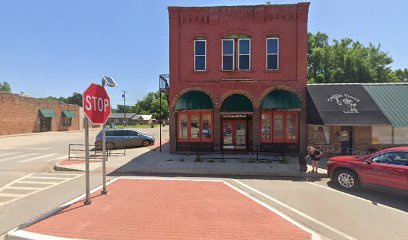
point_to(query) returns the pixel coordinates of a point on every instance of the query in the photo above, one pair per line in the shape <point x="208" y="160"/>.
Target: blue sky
<point x="55" y="48"/>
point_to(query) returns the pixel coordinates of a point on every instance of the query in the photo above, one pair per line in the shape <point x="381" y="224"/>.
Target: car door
<point x="135" y="138"/>
<point x="382" y="170"/>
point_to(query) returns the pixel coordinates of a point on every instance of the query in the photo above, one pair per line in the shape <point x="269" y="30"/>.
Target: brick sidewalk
<point x="173" y="209"/>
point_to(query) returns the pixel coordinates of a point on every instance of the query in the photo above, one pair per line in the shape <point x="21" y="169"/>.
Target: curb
<point x="61" y="168"/>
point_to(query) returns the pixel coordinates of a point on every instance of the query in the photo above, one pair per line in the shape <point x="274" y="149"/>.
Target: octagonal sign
<point x="96" y="104"/>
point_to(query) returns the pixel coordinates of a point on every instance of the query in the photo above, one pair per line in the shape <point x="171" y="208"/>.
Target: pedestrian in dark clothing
<point x="315" y="156"/>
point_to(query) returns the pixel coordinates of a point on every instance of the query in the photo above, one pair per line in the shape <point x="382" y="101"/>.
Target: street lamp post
<point x="111" y="83"/>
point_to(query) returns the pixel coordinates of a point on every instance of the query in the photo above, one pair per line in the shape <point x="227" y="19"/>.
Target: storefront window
<point x="207" y="126"/>
<point x="400" y="135"/>
<point x="381" y="135"/>
<point x="195" y="126"/>
<point x="278" y="127"/>
<point x="321" y="135"/>
<point x="291" y="126"/>
<point x="266" y="127"/>
<point x="182" y="126"/>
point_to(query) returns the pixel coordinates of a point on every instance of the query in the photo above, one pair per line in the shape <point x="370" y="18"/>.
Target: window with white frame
<point x="244" y="54"/>
<point x="272" y="53"/>
<point x="321" y="135"/>
<point x="228" y="55"/>
<point x="200" y="51"/>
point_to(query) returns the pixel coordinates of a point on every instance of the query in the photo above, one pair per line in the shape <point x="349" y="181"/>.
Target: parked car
<point x="387" y="168"/>
<point x="121" y="138"/>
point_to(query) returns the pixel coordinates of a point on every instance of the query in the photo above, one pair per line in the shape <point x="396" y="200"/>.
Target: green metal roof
<point x="47" y="113"/>
<point x="194" y="100"/>
<point x="237" y="103"/>
<point x="68" y="114"/>
<point x="281" y="99"/>
<point x="392" y="99"/>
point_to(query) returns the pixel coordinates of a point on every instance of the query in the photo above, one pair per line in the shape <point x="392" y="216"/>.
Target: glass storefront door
<point x="234" y="134"/>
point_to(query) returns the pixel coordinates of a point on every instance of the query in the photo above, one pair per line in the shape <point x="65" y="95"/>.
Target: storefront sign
<point x="347" y="102"/>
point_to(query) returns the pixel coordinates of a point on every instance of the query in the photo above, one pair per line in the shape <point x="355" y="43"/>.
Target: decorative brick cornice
<point x="254" y="101"/>
<point x="200" y="89"/>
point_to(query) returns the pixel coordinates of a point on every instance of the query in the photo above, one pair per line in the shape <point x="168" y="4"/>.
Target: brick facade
<point x="287" y="22"/>
<point x="21" y="114"/>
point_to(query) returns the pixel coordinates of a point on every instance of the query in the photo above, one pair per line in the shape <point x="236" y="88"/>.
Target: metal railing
<point x="94" y="152"/>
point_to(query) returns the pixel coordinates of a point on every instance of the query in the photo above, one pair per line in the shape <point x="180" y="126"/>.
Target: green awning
<point x="194" y="100"/>
<point x="281" y="99"/>
<point x="237" y="103"/>
<point x="68" y="114"/>
<point x="47" y="113"/>
<point x="392" y="100"/>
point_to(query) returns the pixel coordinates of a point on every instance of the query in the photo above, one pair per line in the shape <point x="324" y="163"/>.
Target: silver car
<point x="122" y="138"/>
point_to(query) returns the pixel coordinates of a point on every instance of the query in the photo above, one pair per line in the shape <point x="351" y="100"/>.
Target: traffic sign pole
<point x="87" y="185"/>
<point x="104" y="190"/>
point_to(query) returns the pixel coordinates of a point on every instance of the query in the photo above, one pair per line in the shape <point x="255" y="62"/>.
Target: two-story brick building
<point x="238" y="77"/>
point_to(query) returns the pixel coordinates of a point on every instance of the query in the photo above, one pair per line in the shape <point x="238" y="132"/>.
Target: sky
<point x="55" y="48"/>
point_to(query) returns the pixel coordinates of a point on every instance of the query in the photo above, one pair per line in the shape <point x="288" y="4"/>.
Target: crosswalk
<point x="32" y="183"/>
<point x="20" y="157"/>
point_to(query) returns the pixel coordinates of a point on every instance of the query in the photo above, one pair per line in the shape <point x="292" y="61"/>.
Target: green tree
<point x="401" y="74"/>
<point x="76" y="98"/>
<point x="60" y="99"/>
<point x="5" y="87"/>
<point x="121" y="108"/>
<point x="346" y="61"/>
<point x="150" y="104"/>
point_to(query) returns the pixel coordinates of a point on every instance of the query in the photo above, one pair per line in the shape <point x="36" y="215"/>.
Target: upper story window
<point x="236" y="53"/>
<point x="244" y="54"/>
<point x="228" y="55"/>
<point x="272" y="53"/>
<point x="200" y="52"/>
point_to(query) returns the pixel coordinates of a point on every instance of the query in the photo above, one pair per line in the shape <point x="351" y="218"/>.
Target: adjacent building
<point x="23" y="114"/>
<point x="357" y="118"/>
<point x="238" y="78"/>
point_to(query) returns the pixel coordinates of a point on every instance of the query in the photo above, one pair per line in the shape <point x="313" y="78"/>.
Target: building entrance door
<point x="346" y="140"/>
<point x="45" y="124"/>
<point x="234" y="134"/>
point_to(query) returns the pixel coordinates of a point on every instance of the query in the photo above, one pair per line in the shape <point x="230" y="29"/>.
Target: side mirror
<point x="368" y="161"/>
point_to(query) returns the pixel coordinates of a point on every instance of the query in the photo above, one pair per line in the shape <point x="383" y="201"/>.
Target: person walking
<point x="315" y="156"/>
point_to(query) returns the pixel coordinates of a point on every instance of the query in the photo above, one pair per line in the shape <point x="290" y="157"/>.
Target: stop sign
<point x="96" y="104"/>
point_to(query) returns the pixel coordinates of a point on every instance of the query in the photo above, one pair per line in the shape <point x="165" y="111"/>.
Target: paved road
<point x="335" y="214"/>
<point x="317" y="204"/>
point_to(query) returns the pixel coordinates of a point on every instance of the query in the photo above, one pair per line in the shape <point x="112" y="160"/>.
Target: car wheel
<point x="347" y="180"/>
<point x="109" y="146"/>
<point x="145" y="143"/>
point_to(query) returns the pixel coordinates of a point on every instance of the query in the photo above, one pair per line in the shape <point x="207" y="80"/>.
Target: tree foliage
<point x="348" y="61"/>
<point x="5" y="87"/>
<point x="76" y="98"/>
<point x="150" y="104"/>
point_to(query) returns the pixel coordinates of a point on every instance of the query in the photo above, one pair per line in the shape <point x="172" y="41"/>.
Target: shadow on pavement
<point x="394" y="199"/>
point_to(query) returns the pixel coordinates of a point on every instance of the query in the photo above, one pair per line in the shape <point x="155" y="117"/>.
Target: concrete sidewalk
<point x="153" y="162"/>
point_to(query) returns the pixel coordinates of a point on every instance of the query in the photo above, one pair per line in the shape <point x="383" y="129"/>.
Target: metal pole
<point x="160" y="119"/>
<point x="87" y="187"/>
<point x="124" y="107"/>
<point x="104" y="190"/>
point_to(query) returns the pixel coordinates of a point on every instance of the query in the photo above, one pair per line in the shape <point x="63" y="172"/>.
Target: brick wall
<point x="288" y="22"/>
<point x="19" y="114"/>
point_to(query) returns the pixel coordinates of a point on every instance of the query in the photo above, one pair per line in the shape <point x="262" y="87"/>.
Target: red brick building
<point x="238" y="77"/>
<point x="20" y="114"/>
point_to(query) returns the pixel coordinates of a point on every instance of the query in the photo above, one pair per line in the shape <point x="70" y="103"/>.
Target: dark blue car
<point x="122" y="138"/>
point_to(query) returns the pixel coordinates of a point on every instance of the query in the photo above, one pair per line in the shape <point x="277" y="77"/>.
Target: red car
<point x="386" y="168"/>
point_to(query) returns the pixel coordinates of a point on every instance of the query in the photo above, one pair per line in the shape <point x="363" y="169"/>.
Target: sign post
<point x="97" y="110"/>
<point x="104" y="190"/>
